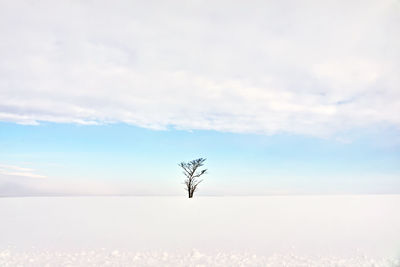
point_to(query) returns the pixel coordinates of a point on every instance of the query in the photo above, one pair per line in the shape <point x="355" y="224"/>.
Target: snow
<point x="105" y="258"/>
<point x="203" y="231"/>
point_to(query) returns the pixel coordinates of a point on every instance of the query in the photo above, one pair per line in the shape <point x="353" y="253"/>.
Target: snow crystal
<point x="194" y="258"/>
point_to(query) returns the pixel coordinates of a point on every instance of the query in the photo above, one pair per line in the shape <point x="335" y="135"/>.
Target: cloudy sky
<point x="106" y="97"/>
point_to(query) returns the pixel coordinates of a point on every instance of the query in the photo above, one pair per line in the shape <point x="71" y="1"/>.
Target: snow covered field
<point x="204" y="231"/>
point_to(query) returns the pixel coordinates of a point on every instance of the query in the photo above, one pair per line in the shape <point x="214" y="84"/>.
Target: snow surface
<point x="204" y="231"/>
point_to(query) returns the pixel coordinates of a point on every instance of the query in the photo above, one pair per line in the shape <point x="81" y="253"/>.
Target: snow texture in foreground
<point x="205" y="231"/>
<point x="195" y="258"/>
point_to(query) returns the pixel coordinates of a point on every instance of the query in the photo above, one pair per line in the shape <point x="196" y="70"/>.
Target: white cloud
<point x="304" y="67"/>
<point x="16" y="171"/>
<point x="4" y="167"/>
<point x="22" y="181"/>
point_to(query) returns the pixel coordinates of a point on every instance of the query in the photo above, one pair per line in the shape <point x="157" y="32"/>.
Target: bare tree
<point x="190" y="170"/>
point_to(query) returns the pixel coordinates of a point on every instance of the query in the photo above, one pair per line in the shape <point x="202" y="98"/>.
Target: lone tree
<point x="190" y="170"/>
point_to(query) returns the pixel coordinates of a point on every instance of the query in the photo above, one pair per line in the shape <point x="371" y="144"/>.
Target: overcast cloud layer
<point x="302" y="67"/>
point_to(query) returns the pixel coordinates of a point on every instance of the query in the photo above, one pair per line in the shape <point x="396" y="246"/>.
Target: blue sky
<point x="124" y="159"/>
<point x="280" y="96"/>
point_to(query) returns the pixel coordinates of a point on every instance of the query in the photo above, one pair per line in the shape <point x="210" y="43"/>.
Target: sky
<point x="281" y="97"/>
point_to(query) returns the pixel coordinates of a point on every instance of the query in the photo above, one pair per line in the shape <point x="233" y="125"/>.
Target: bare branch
<point x="200" y="174"/>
